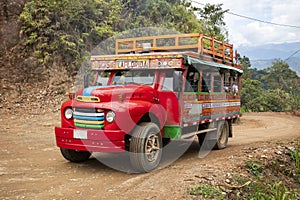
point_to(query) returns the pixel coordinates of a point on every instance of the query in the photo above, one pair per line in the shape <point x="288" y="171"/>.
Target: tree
<point x="295" y="98"/>
<point x="213" y="17"/>
<point x="61" y="32"/>
<point x="285" y="82"/>
<point x="251" y="95"/>
<point x="280" y="76"/>
<point x="257" y="74"/>
<point x="245" y="62"/>
<point x="275" y="88"/>
<point x="172" y="14"/>
<point x="276" y="100"/>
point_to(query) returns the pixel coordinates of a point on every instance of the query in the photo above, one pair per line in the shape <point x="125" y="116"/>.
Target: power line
<point x="263" y="21"/>
<point x="252" y="18"/>
<point x="292" y="55"/>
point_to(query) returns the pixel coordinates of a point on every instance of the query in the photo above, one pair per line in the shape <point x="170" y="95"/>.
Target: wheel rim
<point x="152" y="147"/>
<point x="223" y="138"/>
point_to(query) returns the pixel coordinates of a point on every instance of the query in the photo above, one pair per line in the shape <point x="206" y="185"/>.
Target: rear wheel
<point x="145" y="147"/>
<point x="204" y="142"/>
<point x="74" y="155"/>
<point x="222" y="135"/>
<point x="201" y="138"/>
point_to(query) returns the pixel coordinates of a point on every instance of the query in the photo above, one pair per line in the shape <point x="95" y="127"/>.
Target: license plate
<point x="80" y="134"/>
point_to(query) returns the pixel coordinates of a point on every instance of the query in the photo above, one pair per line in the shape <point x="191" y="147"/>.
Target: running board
<point x="189" y="135"/>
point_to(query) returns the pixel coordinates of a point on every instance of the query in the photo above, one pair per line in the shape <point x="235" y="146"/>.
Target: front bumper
<point x="90" y="140"/>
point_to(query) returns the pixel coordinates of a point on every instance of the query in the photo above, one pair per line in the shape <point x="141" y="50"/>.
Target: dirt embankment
<point x="31" y="166"/>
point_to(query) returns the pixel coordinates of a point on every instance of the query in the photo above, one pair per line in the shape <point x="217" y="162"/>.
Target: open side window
<point x="231" y="81"/>
<point x="192" y="80"/>
<point x="172" y="81"/>
<point x="207" y="81"/>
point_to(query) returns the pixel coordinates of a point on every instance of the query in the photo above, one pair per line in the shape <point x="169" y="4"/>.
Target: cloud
<point x="286" y="12"/>
<point x="253" y="33"/>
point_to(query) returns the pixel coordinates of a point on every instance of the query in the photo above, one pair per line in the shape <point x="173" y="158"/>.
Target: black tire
<point x="204" y="143"/>
<point x="201" y="138"/>
<point x="222" y="135"/>
<point x="146" y="137"/>
<point x="75" y="156"/>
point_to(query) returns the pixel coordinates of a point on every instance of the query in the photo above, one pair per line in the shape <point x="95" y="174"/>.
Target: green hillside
<point x="293" y="62"/>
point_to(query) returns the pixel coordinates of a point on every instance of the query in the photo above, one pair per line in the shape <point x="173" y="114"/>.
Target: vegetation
<point x="295" y="156"/>
<point x="212" y="16"/>
<point x="274" y="177"/>
<point x="255" y="191"/>
<point x="264" y="190"/>
<point x="63" y="33"/>
<point x="276" y="88"/>
<point x="255" y="168"/>
<point x="206" y="191"/>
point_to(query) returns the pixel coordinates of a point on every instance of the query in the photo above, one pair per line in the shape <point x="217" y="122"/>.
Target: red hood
<point x="124" y="92"/>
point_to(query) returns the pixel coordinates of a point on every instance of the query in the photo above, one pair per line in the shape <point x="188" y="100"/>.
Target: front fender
<point x="66" y="122"/>
<point x="129" y="113"/>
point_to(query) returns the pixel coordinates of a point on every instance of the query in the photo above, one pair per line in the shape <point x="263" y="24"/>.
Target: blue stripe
<point x="88" y="91"/>
<point x="89" y="118"/>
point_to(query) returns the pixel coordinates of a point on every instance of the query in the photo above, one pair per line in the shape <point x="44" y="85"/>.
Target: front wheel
<point x="145" y="147"/>
<point x="75" y="156"/>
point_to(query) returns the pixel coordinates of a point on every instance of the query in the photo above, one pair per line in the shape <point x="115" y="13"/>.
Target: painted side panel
<point x="201" y="108"/>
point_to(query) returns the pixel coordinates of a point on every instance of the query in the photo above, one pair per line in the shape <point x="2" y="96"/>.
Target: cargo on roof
<point x="168" y="51"/>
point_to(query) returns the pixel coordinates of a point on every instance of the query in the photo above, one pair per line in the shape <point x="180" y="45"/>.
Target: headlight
<point x="110" y="116"/>
<point x="68" y="113"/>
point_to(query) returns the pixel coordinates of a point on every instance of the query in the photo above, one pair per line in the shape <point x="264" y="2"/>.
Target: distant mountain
<point x="293" y="62"/>
<point x="263" y="56"/>
<point x="270" y="51"/>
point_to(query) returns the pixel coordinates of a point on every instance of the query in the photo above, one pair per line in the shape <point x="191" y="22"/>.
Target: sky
<point x="245" y="32"/>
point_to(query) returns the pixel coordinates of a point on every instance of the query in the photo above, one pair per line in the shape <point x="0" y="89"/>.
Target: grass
<point x="275" y="179"/>
<point x="206" y="191"/>
<point x="255" y="168"/>
<point x="255" y="191"/>
<point x="295" y="156"/>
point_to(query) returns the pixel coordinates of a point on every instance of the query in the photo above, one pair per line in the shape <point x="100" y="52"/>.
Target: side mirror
<point x="177" y="81"/>
<point x="86" y="81"/>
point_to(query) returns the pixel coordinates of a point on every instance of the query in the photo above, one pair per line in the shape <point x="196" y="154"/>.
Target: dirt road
<point x="31" y="166"/>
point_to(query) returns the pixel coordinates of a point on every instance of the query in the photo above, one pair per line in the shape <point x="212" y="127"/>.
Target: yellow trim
<point x="136" y="56"/>
<point x="88" y="122"/>
<point x="88" y="99"/>
<point x="210" y="101"/>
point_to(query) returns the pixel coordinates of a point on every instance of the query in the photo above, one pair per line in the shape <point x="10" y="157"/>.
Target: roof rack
<point x="196" y="42"/>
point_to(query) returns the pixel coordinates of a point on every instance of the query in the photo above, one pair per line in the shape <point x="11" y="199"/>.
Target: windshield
<point x="102" y="78"/>
<point x="145" y="77"/>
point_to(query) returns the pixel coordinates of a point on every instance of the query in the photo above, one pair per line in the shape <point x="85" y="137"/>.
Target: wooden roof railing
<point x="196" y="42"/>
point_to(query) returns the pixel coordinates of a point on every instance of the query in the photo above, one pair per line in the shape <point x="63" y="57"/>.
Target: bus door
<point x="192" y="107"/>
<point x="169" y="90"/>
